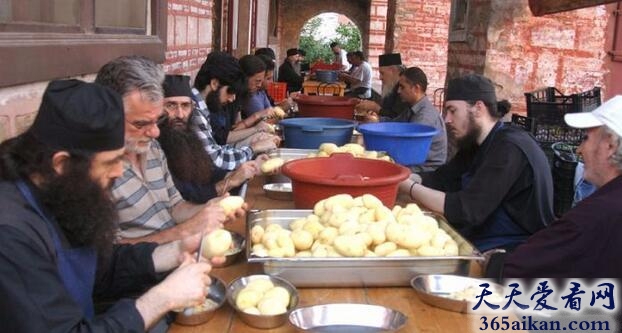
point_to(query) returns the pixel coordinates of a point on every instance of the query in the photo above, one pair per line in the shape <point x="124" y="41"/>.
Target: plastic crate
<point x="277" y="91"/>
<point x="547" y="107"/>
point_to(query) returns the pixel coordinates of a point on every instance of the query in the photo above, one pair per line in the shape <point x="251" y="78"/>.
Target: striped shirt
<point x="224" y="156"/>
<point x="144" y="205"/>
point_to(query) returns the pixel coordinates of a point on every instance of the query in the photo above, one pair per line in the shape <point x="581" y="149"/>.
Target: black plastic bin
<point x="563" y="169"/>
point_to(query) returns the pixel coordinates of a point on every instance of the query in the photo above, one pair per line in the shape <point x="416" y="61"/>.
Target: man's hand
<point x="263" y="144"/>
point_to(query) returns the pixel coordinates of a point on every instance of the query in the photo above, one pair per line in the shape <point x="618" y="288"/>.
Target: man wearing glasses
<point x="150" y="208"/>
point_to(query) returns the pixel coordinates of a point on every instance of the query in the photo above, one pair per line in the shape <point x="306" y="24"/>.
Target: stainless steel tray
<point x="287" y="154"/>
<point x="347" y="318"/>
<point x="356" y="272"/>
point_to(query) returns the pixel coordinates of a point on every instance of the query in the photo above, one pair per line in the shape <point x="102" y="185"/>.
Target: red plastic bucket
<point x="314" y="179"/>
<point x="325" y="106"/>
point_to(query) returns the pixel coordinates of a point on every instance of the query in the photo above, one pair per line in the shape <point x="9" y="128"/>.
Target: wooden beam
<point x="544" y="7"/>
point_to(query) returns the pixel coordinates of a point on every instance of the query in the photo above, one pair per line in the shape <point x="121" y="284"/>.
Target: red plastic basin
<point x="325" y="106"/>
<point x="314" y="179"/>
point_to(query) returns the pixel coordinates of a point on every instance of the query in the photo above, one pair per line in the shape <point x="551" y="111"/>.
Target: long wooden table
<point x="421" y="317"/>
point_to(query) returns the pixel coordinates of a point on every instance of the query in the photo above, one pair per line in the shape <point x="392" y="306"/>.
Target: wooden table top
<point x="421" y="317"/>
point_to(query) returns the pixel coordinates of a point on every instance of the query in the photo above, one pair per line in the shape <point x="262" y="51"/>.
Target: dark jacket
<point x="288" y="74"/>
<point x="34" y="298"/>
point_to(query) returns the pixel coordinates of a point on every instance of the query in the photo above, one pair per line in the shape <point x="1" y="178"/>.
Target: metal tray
<point x="347" y="318"/>
<point x="356" y="272"/>
<point x="436" y="290"/>
<point x="287" y="154"/>
<point x="279" y="191"/>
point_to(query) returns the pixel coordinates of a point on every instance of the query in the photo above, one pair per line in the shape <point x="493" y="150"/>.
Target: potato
<point x="303" y="254"/>
<point x="273" y="227"/>
<point x="376" y="231"/>
<point x="280" y="294"/>
<point x="257" y="232"/>
<point x="297" y="224"/>
<point x="252" y="310"/>
<point x="272" y="165"/>
<point x="322" y="154"/>
<point x="328" y="235"/>
<point x="279" y="112"/>
<point x="302" y="239"/>
<point x="313" y="227"/>
<point x="216" y="243"/>
<point x="231" y="203"/>
<point x="354" y="148"/>
<point x="247" y="298"/>
<point x="269" y="239"/>
<point x="271" y="306"/>
<point x="328" y="147"/>
<point x="350" y="246"/>
<point x="318" y="208"/>
<point x="261" y="285"/>
<point x="276" y="252"/>
<point x="385" y="248"/>
<point x="430" y="251"/>
<point x="451" y="248"/>
<point x="371" y="154"/>
<point x="343" y="200"/>
<point x="414" y="237"/>
<point x="371" y="202"/>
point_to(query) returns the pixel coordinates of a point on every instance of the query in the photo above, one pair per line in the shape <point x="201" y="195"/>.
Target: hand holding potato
<point x="216" y="243"/>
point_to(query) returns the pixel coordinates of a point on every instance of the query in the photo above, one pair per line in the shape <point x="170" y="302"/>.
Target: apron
<point x="76" y="266"/>
<point x="498" y="231"/>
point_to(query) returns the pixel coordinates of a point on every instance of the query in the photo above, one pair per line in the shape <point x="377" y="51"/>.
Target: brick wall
<point x="189" y="35"/>
<point x="522" y="53"/>
<point x="421" y="29"/>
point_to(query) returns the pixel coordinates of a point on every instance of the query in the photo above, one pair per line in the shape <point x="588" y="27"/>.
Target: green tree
<point x="312" y="43"/>
<point x="349" y="37"/>
<point x="317" y="47"/>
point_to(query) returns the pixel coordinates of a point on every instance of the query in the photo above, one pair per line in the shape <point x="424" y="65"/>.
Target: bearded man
<point x="192" y="169"/>
<point x="498" y="189"/>
<point x="150" y="207"/>
<point x="58" y="223"/>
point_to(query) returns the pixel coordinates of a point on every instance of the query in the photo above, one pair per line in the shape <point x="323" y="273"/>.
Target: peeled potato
<point x="280" y="294"/>
<point x="257" y="232"/>
<point x="252" y="310"/>
<point x="231" y="203"/>
<point x="248" y="298"/>
<point x="302" y="239"/>
<point x="279" y="112"/>
<point x="272" y="164"/>
<point x="261" y="285"/>
<point x="271" y="306"/>
<point x="217" y="243"/>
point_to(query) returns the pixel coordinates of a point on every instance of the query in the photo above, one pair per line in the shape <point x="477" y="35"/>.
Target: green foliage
<point x="349" y="37"/>
<point x="317" y="47"/>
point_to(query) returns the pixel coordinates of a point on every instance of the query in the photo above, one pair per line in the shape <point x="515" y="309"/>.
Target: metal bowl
<point x="239" y="243"/>
<point x="261" y="321"/>
<point x="347" y="318"/>
<point x="194" y="316"/>
<point x="279" y="191"/>
<point x="440" y="291"/>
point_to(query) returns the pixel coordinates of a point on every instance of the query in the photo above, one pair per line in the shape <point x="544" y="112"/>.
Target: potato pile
<point x="262" y="297"/>
<point x="343" y="226"/>
<point x="356" y="150"/>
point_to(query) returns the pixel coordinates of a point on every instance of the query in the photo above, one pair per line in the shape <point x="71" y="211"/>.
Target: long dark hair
<point x="25" y="155"/>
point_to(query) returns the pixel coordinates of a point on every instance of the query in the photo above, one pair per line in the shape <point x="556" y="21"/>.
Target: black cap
<point x="292" y="52"/>
<point x="77" y="115"/>
<point x="390" y="59"/>
<point x="472" y="87"/>
<point x="177" y="85"/>
<point x="302" y="52"/>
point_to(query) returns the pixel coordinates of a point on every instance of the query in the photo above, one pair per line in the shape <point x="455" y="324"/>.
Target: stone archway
<point x="295" y="13"/>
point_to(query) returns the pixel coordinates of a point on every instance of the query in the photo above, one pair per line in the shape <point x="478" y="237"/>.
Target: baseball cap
<point x="609" y="114"/>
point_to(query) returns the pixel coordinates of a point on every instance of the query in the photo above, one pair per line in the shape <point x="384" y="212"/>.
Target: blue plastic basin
<point x="310" y="133"/>
<point x="406" y="143"/>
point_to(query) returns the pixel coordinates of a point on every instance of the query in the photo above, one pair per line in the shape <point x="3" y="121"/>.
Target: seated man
<point x="287" y="72"/>
<point x="390" y="68"/>
<point x="57" y="226"/>
<point x="359" y="78"/>
<point x="584" y="242"/>
<point x="412" y="86"/>
<point x="150" y="207"/>
<point x="192" y="169"/>
<point x="498" y="189"/>
<point x="216" y="85"/>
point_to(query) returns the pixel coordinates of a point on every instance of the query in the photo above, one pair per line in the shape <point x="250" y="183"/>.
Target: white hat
<point x="608" y="114"/>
